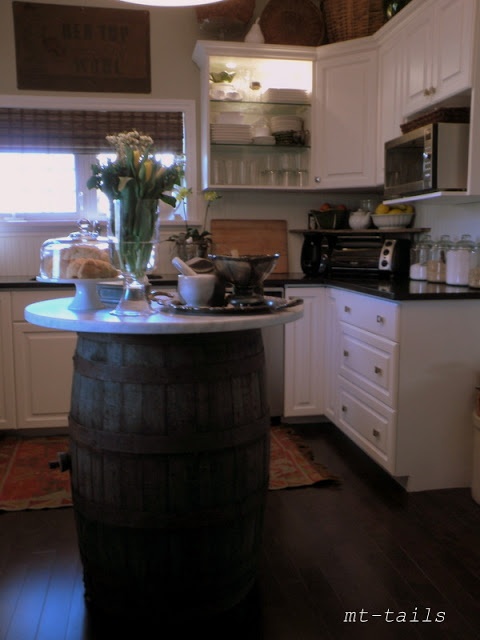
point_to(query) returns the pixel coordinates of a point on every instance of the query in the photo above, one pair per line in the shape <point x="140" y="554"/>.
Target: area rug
<point x="292" y="464"/>
<point x="27" y="481"/>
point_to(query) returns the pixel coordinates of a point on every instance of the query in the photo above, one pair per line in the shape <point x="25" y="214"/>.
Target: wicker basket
<point x="349" y="19"/>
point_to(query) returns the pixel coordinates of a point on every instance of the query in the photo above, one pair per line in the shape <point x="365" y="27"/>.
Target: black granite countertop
<point x="394" y="288"/>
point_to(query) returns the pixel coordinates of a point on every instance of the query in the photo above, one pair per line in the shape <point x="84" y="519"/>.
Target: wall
<point x="175" y="76"/>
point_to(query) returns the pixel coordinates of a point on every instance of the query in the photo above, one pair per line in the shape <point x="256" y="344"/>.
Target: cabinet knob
<point x="376" y="433"/>
<point x="345" y="353"/>
<point x="317" y="179"/>
<point x="347" y="309"/>
<point x="426" y="92"/>
<point x="377" y="370"/>
<point x="344" y="408"/>
<point x="380" y="319"/>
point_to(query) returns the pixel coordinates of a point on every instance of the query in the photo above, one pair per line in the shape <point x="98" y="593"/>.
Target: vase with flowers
<point x="192" y="242"/>
<point x="134" y="183"/>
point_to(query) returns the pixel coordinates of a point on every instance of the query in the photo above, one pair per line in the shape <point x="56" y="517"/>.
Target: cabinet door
<point x="43" y="364"/>
<point x="391" y="94"/>
<point x="43" y="375"/>
<point x="304" y="355"/>
<point x="439" y="53"/>
<point x="418" y="37"/>
<point x="452" y="63"/>
<point x="346" y="92"/>
<point x="7" y="385"/>
<point x="270" y="87"/>
<point x="332" y="358"/>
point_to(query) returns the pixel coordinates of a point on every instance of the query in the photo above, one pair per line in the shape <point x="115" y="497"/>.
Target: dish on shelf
<point x="392" y="220"/>
<point x="264" y="140"/>
<point x="286" y="123"/>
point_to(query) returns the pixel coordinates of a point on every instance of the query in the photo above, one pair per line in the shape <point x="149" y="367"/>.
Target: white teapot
<point x="359" y="219"/>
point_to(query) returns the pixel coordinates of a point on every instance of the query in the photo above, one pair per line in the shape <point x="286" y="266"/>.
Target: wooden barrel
<point x="170" y="453"/>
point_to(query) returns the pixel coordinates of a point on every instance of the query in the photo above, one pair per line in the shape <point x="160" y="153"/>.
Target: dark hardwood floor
<point x="397" y="562"/>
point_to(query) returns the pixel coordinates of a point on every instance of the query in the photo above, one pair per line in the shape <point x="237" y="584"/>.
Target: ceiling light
<point x="171" y="3"/>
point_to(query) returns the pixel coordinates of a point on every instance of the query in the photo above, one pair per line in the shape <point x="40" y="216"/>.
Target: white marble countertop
<point x="55" y="314"/>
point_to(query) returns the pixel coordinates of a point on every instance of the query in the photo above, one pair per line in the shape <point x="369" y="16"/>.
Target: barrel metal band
<point x="114" y="515"/>
<point x="140" y="374"/>
<point x="150" y="444"/>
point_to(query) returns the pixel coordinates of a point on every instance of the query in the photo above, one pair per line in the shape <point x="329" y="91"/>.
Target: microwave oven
<point x="428" y="159"/>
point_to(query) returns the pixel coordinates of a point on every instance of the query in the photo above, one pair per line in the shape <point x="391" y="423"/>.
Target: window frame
<point x="187" y="107"/>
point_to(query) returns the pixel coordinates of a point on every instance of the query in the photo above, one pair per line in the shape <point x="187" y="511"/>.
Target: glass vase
<point x="134" y="233"/>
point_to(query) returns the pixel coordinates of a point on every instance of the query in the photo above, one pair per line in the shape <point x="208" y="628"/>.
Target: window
<point x="47" y="153"/>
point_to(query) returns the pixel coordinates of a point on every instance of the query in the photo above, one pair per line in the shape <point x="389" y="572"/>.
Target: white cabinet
<point x="283" y="75"/>
<point x="304" y="355"/>
<point x="439" y="44"/>
<point x="346" y="107"/>
<point x="367" y="373"/>
<point x="7" y="385"/>
<point x="391" y="96"/>
<point x="405" y="383"/>
<point x="43" y="366"/>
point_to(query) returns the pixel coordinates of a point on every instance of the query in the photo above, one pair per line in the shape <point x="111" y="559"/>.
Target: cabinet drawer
<point x="21" y="299"/>
<point x="370" y="362"/>
<point x="378" y="316"/>
<point x="369" y="423"/>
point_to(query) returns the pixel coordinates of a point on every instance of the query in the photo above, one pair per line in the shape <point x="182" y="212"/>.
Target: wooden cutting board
<point x="252" y="237"/>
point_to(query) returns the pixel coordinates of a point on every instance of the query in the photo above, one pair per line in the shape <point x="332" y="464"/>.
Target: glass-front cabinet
<point x="256" y="114"/>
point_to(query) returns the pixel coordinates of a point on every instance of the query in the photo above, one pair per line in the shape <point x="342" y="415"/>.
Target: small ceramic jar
<point x="359" y="219"/>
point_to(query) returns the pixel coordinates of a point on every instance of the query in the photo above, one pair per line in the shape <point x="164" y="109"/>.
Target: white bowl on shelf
<point x="391" y="220"/>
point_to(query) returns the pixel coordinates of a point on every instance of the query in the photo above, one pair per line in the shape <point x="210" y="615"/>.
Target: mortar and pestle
<point x="199" y="289"/>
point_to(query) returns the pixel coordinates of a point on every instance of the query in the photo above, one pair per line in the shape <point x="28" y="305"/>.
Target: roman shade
<point x="84" y="131"/>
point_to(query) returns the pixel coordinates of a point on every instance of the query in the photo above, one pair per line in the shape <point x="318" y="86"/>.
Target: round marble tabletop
<point x="55" y="314"/>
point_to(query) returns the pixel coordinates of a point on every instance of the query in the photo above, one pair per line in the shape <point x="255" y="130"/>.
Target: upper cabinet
<point x="391" y="96"/>
<point x="256" y="115"/>
<point x="346" y="94"/>
<point x="316" y="118"/>
<point x="438" y="41"/>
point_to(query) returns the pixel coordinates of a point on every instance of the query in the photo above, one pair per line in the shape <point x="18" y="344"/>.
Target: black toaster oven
<point x="354" y="254"/>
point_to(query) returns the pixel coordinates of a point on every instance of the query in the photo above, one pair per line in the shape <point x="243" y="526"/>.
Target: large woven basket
<point x="348" y="19"/>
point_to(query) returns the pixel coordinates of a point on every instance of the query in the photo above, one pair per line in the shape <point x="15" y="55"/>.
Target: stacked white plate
<point x="229" y="117"/>
<point x="298" y="96"/>
<point x="286" y="123"/>
<point x="231" y="133"/>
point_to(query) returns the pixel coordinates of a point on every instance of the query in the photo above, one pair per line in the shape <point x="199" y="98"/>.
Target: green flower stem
<point x="135" y="229"/>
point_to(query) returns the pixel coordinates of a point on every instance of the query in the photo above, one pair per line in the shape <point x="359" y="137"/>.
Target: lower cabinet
<point x="304" y="355"/>
<point x="39" y="368"/>
<point x="403" y="384"/>
<point x="7" y="384"/>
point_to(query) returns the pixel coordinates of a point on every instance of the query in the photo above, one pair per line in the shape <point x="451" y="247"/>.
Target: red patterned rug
<point x="27" y="482"/>
<point x="292" y="464"/>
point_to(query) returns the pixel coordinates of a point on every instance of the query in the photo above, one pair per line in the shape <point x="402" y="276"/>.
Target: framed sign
<point x="68" y="48"/>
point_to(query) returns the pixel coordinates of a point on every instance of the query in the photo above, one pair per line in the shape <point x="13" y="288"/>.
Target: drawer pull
<point x="376" y="433"/>
<point x="380" y="319"/>
<point x="346" y="309"/>
<point x="345" y="353"/>
<point x="378" y="370"/>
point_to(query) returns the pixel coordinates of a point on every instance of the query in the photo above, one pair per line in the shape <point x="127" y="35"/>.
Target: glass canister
<point x="459" y="260"/>
<point x="419" y="256"/>
<point x="437" y="262"/>
<point x="474" y="273"/>
<point x="81" y="255"/>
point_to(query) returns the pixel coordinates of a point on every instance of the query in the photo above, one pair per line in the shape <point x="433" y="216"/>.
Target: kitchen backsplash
<point x="20" y="248"/>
